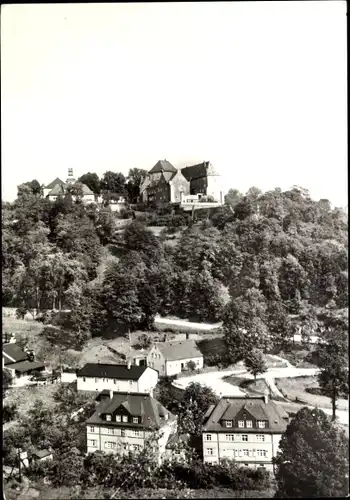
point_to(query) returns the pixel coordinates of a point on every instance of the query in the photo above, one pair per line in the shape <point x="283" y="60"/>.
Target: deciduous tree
<point x="313" y="460"/>
<point x="332" y="351"/>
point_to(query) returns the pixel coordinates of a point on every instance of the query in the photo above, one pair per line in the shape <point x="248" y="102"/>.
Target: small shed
<point x="41" y="455"/>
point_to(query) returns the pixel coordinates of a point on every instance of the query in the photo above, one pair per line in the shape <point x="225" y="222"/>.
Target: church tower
<point x="70" y="179"/>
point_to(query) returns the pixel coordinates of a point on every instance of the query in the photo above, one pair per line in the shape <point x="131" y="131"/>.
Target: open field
<point x="296" y="387"/>
<point x="25" y="397"/>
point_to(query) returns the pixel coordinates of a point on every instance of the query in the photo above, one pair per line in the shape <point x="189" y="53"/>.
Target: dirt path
<point x="189" y="324"/>
<point x="215" y="381"/>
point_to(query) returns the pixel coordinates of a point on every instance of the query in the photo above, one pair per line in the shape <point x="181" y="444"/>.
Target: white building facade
<point x="118" y="378"/>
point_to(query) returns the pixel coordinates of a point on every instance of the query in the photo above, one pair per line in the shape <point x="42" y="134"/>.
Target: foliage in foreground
<point x="132" y="472"/>
<point x="313" y="460"/>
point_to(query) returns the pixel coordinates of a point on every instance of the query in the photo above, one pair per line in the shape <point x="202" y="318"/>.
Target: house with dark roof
<point x="20" y="364"/>
<point x="58" y="188"/>
<point x="245" y="429"/>
<point x="127" y="377"/>
<point x="170" y="358"/>
<point x="125" y="422"/>
<point x="164" y="184"/>
<point x="204" y="180"/>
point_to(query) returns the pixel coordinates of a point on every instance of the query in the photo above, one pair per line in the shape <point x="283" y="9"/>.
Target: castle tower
<point x="70" y="179"/>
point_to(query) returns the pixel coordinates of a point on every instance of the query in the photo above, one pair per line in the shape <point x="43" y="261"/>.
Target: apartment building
<point x="125" y="422"/>
<point x="245" y="429"/>
<point x="127" y="378"/>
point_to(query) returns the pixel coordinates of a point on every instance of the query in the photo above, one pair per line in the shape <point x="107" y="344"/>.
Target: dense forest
<point x="254" y="263"/>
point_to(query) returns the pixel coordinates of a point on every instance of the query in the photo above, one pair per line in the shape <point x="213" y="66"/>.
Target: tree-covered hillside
<point x="277" y="254"/>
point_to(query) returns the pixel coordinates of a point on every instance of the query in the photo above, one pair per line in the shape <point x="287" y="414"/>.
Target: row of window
<point x="122" y="418"/>
<point x="116" y="432"/>
<point x="246" y="423"/>
<point x="115" y="380"/>
<point x="122" y="432"/>
<point x="238" y="453"/>
<point x="238" y="437"/>
<point x="155" y="355"/>
<point x="92" y="443"/>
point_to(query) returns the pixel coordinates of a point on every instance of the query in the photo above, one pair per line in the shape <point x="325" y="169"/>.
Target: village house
<point x="20" y="364"/>
<point x="58" y="188"/>
<point x="245" y="429"/>
<point x="170" y="358"/>
<point x="125" y="378"/>
<point x="125" y="422"/>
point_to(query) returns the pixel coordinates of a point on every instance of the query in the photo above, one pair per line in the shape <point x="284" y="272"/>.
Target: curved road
<point x="215" y="381"/>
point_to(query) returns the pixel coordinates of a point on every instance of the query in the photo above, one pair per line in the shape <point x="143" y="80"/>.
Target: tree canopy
<point x="313" y="460"/>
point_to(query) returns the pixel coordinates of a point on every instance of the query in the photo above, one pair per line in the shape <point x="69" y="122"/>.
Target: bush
<point x="125" y="213"/>
<point x="9" y="413"/>
<point x="21" y="312"/>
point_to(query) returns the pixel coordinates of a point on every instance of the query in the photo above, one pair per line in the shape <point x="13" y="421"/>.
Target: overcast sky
<point x="257" y="88"/>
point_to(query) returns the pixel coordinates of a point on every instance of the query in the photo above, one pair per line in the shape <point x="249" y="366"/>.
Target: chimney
<point x="266" y="398"/>
<point x="111" y="394"/>
<point x="129" y="364"/>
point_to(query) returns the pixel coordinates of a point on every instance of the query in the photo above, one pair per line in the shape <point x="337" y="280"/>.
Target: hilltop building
<point x="245" y="429"/>
<point x="59" y="188"/>
<point x="166" y="184"/>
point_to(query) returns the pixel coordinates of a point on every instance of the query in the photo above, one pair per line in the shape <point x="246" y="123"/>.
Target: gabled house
<point x="245" y="429"/>
<point x="170" y="358"/>
<point x="126" y="378"/>
<point x="58" y="188"/>
<point x="56" y="182"/>
<point x="124" y="423"/>
<point x="20" y="364"/>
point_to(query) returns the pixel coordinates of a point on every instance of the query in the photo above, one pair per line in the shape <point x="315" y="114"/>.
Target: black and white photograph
<point x="174" y="250"/>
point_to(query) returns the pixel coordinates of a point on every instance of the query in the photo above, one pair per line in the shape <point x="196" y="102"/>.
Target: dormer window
<point x="118" y="418"/>
<point x="240" y="423"/>
<point x="249" y="423"/>
<point x="135" y="420"/>
<point x="108" y="417"/>
<point x="261" y="424"/>
<point x="125" y="418"/>
<point x="228" y="423"/>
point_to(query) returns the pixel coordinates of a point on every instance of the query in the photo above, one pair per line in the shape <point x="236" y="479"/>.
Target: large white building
<point x="125" y="423"/>
<point x="118" y="378"/>
<point x="245" y="429"/>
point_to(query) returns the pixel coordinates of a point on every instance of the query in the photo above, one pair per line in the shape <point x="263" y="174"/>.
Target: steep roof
<point x="42" y="453"/>
<point x="26" y="366"/>
<point x="121" y="372"/>
<point x="229" y="407"/>
<point x="179" y="349"/>
<point x="151" y="412"/>
<point x="86" y="189"/>
<point x="199" y="170"/>
<point x="177" y="439"/>
<point x="57" y="190"/>
<point x="14" y="352"/>
<point x="54" y="183"/>
<point x="162" y="165"/>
